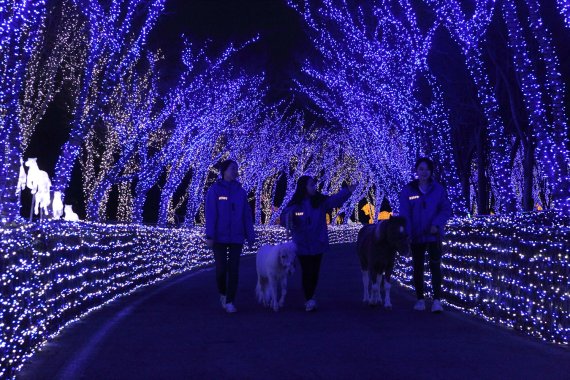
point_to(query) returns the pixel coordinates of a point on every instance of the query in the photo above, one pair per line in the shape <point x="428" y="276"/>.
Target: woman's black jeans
<point x="227" y="257"/>
<point x="310" y="266"/>
<point x="418" y="261"/>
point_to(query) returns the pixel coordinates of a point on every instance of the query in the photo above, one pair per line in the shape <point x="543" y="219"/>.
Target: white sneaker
<point x="310" y="305"/>
<point x="420" y="305"/>
<point x="230" y="308"/>
<point x="223" y="300"/>
<point x="436" y="307"/>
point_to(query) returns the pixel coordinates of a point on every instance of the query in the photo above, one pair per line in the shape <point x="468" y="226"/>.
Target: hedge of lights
<point x="56" y="272"/>
<point x="511" y="270"/>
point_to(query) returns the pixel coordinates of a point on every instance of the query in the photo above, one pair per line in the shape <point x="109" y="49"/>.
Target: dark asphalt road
<point x="177" y="330"/>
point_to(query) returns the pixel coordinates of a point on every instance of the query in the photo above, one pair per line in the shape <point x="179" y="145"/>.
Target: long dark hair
<point x="301" y="193"/>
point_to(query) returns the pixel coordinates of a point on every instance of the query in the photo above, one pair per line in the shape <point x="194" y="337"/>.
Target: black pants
<point x="227" y="257"/>
<point x="418" y="261"/>
<point x="310" y="267"/>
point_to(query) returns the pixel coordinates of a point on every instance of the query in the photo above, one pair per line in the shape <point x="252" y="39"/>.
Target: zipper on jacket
<point x="231" y="210"/>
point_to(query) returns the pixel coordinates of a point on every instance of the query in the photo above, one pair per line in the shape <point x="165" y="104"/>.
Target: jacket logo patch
<point x="414" y="197"/>
<point x="222" y="198"/>
<point x="299" y="213"/>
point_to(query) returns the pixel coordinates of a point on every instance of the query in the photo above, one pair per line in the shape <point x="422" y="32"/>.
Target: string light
<point x="368" y="86"/>
<point x="20" y="24"/>
<point x="115" y="43"/>
<point x="469" y="33"/>
<point x="550" y="137"/>
<point x="564" y="7"/>
<point x="499" y="268"/>
<point x="557" y="154"/>
<point x="512" y="270"/>
<point x="225" y="118"/>
<point x="55" y="273"/>
<point x="54" y="65"/>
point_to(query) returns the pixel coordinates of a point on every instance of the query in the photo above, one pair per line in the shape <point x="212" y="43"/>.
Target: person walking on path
<point x="305" y="217"/>
<point x="426" y="207"/>
<point x="229" y="222"/>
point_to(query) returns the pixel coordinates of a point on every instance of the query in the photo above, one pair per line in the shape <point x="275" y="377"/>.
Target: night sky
<point x="279" y="53"/>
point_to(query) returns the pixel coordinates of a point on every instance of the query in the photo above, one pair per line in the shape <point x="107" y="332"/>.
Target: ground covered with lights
<point x="177" y="329"/>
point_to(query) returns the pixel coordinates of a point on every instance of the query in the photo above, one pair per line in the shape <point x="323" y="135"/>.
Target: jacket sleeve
<point x="211" y="214"/>
<point x="444" y="211"/>
<point x="405" y="209"/>
<point x="337" y="200"/>
<point x="248" y="220"/>
<point x="285" y="217"/>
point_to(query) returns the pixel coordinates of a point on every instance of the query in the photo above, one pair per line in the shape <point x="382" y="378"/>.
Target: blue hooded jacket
<point x="425" y="210"/>
<point x="309" y="224"/>
<point x="228" y="215"/>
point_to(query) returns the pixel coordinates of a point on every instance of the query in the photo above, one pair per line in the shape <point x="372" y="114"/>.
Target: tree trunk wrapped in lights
<point x="134" y="112"/>
<point x="558" y="155"/>
<point x="54" y="66"/>
<point x="21" y="23"/>
<point x="116" y="39"/>
<point x="469" y="33"/>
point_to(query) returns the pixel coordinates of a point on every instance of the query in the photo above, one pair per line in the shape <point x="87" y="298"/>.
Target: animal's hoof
<point x="388" y="306"/>
<point x="372" y="304"/>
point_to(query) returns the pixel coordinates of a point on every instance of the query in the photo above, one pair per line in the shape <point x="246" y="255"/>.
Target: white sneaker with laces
<point x="436" y="307"/>
<point x="420" y="305"/>
<point x="310" y="305"/>
<point x="223" y="300"/>
<point x="230" y="308"/>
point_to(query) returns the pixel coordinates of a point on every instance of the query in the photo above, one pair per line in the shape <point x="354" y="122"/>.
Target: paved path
<point x="177" y="330"/>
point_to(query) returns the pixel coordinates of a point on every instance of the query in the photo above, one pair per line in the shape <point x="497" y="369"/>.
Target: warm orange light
<point x="369" y="211"/>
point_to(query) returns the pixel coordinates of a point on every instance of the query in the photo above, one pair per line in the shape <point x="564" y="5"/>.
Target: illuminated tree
<point x="54" y="66"/>
<point x="367" y="84"/>
<point x="135" y="111"/>
<point x="116" y="36"/>
<point x="20" y="29"/>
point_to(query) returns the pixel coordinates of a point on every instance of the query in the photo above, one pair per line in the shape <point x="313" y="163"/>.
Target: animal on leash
<point x="376" y="246"/>
<point x="274" y="263"/>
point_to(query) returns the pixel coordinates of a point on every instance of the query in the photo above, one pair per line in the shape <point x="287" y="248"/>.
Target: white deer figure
<point x="38" y="182"/>
<point x="70" y="215"/>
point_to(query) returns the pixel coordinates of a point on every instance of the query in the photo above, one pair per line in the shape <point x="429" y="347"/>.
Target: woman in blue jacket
<point x="229" y="223"/>
<point x="305" y="217"/>
<point x="425" y="205"/>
